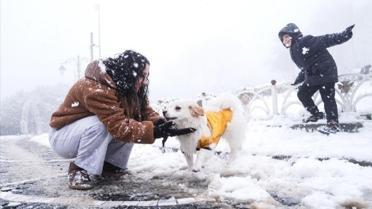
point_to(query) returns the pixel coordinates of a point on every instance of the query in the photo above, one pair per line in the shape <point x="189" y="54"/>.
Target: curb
<point x="86" y="202"/>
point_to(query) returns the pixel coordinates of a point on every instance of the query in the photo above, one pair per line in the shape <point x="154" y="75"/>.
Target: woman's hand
<point x="160" y="121"/>
<point x="167" y="129"/>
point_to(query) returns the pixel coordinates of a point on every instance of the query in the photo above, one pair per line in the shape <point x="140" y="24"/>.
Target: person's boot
<point x="314" y="118"/>
<point x="78" y="178"/>
<point x="332" y="127"/>
<point x="111" y="171"/>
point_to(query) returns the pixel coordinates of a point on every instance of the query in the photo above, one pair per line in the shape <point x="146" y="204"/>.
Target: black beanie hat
<point x="292" y="30"/>
<point x="125" y="70"/>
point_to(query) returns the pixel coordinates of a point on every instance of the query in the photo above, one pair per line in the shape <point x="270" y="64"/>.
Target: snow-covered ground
<point x="255" y="176"/>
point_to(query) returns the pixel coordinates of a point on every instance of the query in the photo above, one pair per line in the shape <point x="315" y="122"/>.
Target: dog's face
<point x="182" y="110"/>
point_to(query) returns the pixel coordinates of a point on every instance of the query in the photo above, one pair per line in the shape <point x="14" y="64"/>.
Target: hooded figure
<point x="318" y="69"/>
<point x="292" y="30"/>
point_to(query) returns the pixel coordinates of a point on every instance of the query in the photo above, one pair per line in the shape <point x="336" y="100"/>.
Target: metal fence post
<point x="274" y="95"/>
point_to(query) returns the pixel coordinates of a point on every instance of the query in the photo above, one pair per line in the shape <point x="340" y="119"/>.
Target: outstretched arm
<point x="315" y="43"/>
<point x="105" y="104"/>
<point x="330" y="40"/>
<point x="337" y="38"/>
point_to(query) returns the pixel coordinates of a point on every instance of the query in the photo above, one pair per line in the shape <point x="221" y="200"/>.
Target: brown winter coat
<point x="96" y="95"/>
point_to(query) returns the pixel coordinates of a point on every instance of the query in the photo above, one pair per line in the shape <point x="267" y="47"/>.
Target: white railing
<point x="275" y="99"/>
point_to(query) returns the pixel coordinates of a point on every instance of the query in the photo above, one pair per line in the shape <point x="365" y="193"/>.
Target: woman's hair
<point x="125" y="70"/>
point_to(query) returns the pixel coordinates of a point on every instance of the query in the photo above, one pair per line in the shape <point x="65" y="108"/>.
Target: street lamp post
<point x="76" y="60"/>
<point x="99" y="30"/>
<point x="91" y="47"/>
<point x="62" y="69"/>
<point x="92" y="44"/>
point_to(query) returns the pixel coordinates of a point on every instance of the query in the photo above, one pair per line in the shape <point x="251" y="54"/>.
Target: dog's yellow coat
<point x="217" y="123"/>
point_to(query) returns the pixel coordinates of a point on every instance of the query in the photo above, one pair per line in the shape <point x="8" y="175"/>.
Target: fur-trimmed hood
<point x="97" y="71"/>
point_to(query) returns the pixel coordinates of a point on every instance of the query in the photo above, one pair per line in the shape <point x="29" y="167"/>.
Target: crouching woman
<point x="103" y="115"/>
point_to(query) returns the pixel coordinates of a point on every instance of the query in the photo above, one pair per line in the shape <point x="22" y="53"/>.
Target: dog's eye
<point x="178" y="108"/>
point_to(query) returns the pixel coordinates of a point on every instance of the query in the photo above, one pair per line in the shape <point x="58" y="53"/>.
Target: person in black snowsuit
<point x="318" y="69"/>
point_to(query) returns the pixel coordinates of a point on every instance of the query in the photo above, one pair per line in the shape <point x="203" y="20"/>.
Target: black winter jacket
<point x="310" y="54"/>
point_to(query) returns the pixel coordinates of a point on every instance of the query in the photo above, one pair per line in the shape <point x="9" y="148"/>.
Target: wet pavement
<point x="32" y="176"/>
<point x="124" y="192"/>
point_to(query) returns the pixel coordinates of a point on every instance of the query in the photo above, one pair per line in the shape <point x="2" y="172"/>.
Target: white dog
<point x="223" y="117"/>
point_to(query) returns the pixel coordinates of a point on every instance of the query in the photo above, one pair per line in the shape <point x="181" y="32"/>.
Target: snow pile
<point x="41" y="139"/>
<point x="292" y="167"/>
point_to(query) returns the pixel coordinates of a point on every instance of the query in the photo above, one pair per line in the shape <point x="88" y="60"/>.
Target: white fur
<point x="179" y="112"/>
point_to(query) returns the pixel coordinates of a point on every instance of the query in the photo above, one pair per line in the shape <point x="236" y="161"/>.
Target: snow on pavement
<point x="255" y="176"/>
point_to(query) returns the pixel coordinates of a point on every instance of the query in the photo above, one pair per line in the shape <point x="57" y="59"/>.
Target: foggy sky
<point x="193" y="45"/>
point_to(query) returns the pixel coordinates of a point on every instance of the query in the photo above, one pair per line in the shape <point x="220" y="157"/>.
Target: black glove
<point x="167" y="129"/>
<point x="350" y="28"/>
<point x="176" y="132"/>
<point x="160" y="121"/>
<point x="349" y="31"/>
<point x="160" y="130"/>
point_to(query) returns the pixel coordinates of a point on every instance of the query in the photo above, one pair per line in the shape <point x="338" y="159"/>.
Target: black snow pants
<point x="327" y="92"/>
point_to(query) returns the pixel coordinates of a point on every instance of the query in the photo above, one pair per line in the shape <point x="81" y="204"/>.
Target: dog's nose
<point x="164" y="112"/>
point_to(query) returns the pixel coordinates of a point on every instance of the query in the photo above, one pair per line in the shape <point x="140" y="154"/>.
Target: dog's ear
<point x="196" y="110"/>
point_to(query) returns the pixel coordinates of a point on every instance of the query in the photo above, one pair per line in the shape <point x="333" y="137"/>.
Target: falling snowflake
<point x="75" y="104"/>
<point x="134" y="74"/>
<point x="305" y="50"/>
<point x="135" y="65"/>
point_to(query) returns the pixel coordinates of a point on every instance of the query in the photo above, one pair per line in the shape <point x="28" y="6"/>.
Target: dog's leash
<point x="165" y="138"/>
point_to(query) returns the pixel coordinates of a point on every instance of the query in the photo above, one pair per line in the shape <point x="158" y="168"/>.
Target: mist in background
<point x="194" y="46"/>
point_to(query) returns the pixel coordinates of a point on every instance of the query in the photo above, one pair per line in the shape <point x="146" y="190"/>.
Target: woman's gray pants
<point x="88" y="141"/>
